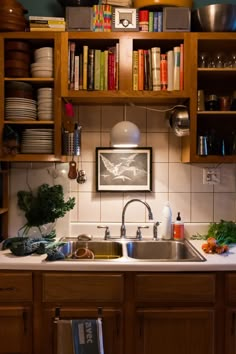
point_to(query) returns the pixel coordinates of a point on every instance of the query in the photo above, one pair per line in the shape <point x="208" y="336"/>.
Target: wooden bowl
<point x="15" y="45"/>
<point x="17" y="55"/>
<point x="18" y="64"/>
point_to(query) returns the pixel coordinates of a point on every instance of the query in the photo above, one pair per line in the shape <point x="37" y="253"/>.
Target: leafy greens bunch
<point x="45" y="206"/>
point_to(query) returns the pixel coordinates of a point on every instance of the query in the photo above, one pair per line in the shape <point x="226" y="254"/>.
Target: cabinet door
<point x="175" y="331"/>
<point x="111" y="323"/>
<point x="15" y="330"/>
<point x="230" y="342"/>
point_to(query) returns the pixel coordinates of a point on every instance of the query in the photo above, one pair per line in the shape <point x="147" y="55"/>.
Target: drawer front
<point x="175" y="288"/>
<point x="15" y="286"/>
<point x="84" y="287"/>
<point x="230" y="288"/>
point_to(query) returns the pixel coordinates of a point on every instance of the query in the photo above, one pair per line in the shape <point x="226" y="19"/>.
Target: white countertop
<point x="214" y="262"/>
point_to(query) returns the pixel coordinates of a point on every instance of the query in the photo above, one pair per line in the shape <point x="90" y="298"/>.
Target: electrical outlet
<point x="211" y="176"/>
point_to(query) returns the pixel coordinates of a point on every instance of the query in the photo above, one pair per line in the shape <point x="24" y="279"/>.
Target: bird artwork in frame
<point x="122" y="169"/>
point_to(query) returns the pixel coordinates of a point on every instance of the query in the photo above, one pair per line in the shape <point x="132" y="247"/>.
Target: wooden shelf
<point x="3" y="210"/>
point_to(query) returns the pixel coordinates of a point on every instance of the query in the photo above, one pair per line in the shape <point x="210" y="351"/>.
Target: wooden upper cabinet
<point x="127" y="42"/>
<point x="214" y="77"/>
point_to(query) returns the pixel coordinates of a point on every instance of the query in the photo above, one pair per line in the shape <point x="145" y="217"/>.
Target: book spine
<point x="72" y="64"/>
<point x="140" y="69"/>
<point x="85" y="67"/>
<point x="80" y="71"/>
<point x="176" y="79"/>
<point x="155" y="21"/>
<point x="91" y="65"/>
<point x="150" y="70"/>
<point x="105" y="69"/>
<point x="146" y="69"/>
<point x="76" y="80"/>
<point x="68" y="68"/>
<point x="107" y="18"/>
<point x="97" y="69"/>
<point x="46" y="22"/>
<point x="159" y="21"/>
<point x="49" y="29"/>
<point x="150" y="22"/>
<point x="163" y="72"/>
<point x="48" y="25"/>
<point x="46" y="18"/>
<point x="117" y="61"/>
<point x="111" y="70"/>
<point x="181" y="74"/>
<point x="156" y="79"/>
<point x="135" y="70"/>
<point x="102" y="71"/>
<point x="170" y="70"/>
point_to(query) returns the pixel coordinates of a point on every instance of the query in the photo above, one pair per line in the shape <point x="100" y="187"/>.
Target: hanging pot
<point x="179" y="120"/>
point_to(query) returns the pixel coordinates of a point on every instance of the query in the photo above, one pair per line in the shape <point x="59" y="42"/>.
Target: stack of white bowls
<point x="45" y="103"/>
<point x="43" y="65"/>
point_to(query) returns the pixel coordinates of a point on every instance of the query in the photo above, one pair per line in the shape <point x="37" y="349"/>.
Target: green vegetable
<point x="224" y="232"/>
<point x="45" y="206"/>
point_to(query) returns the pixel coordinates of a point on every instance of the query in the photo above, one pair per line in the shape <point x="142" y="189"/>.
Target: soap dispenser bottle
<point x="178" y="229"/>
<point x="166" y="222"/>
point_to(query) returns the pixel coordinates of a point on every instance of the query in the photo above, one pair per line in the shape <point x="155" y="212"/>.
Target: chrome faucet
<point x="123" y="228"/>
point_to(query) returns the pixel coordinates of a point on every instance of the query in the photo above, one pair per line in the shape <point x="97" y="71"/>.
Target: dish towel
<point x="79" y="336"/>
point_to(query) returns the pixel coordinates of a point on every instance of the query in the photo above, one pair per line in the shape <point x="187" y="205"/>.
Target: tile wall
<point x="179" y="183"/>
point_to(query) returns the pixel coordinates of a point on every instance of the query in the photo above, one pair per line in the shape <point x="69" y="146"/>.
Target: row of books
<point x="44" y="23"/>
<point x="156" y="71"/>
<point x="93" y="69"/>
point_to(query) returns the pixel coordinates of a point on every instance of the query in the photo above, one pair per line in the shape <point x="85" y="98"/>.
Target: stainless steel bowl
<point x="214" y="18"/>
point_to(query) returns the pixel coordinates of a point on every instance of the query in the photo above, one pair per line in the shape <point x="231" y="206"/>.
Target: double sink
<point x="131" y="250"/>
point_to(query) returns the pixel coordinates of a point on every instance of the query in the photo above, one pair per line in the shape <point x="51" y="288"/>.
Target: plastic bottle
<point x="178" y="231"/>
<point x="166" y="226"/>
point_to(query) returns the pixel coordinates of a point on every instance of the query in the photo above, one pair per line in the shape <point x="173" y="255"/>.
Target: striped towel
<point x="79" y="336"/>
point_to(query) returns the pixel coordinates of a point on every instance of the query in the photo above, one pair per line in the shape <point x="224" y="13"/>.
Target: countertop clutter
<point x="214" y="262"/>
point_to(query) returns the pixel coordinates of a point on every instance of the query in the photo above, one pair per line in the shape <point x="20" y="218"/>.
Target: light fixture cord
<point x="125" y="112"/>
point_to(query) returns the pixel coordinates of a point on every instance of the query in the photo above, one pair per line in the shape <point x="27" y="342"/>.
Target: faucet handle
<point x="107" y="234"/>
<point x="155" y="230"/>
<point x="139" y="235"/>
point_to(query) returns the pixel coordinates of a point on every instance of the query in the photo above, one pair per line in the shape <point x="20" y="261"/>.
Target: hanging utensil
<point x="81" y="177"/>
<point x="72" y="174"/>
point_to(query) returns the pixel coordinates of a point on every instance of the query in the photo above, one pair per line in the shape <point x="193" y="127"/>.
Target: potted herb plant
<point x="43" y="207"/>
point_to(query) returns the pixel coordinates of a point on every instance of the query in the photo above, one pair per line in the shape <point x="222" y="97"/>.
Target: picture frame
<point x="123" y="169"/>
<point x="124" y="19"/>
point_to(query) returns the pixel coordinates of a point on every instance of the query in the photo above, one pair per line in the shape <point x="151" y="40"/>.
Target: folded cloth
<point x="80" y="336"/>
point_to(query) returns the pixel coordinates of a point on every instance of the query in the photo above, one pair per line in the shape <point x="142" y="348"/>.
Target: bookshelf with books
<point x="123" y="85"/>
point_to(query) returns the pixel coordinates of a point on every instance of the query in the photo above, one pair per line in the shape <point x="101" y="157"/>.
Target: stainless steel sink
<point x="102" y="250"/>
<point x="163" y="251"/>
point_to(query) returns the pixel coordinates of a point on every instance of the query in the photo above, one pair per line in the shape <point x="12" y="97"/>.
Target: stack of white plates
<point x="37" y="141"/>
<point x="17" y="108"/>
<point x="45" y="103"/>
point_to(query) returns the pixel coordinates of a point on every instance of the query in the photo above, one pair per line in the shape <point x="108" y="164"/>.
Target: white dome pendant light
<point x="125" y="134"/>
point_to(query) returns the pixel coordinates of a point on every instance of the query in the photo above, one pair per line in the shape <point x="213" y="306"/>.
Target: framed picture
<point x="123" y="170"/>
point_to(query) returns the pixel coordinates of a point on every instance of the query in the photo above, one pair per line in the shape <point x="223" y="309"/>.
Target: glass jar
<point x="212" y="103"/>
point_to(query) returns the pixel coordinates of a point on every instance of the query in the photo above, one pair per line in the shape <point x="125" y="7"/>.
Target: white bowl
<point x="45" y="105"/>
<point x="45" y="116"/>
<point x="44" y="60"/>
<point x="44" y="51"/>
<point x="41" y="65"/>
<point x="41" y="73"/>
<point x="42" y="100"/>
<point x="45" y="96"/>
<point x="45" y="89"/>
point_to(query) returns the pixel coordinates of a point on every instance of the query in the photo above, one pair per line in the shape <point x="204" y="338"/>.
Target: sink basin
<point x="102" y="250"/>
<point x="163" y="251"/>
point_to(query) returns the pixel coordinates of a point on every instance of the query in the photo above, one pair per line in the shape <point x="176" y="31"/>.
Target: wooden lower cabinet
<point x="112" y="319"/>
<point x="15" y="330"/>
<point x="174" y="331"/>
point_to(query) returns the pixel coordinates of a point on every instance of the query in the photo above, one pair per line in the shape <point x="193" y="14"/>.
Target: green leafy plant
<point x="43" y="207"/>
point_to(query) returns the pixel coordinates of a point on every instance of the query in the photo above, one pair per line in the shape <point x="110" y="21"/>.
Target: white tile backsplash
<point x="181" y="184"/>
